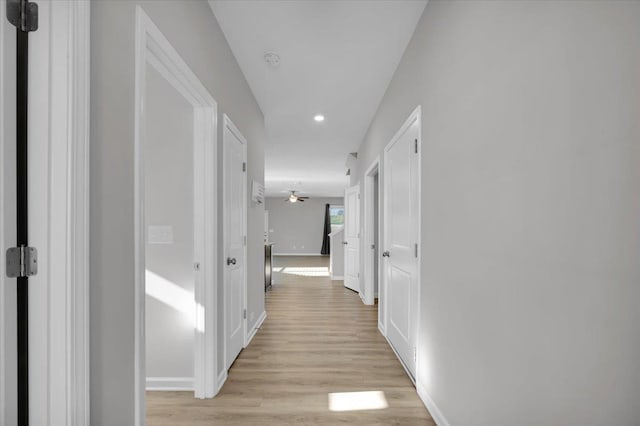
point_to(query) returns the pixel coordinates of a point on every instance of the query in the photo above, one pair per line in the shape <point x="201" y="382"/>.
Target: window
<point x="336" y="213"/>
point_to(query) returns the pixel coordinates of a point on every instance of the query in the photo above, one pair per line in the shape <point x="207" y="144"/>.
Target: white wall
<point x="297" y="227"/>
<point x="168" y="168"/>
<point x="530" y="208"/>
<point x="193" y="31"/>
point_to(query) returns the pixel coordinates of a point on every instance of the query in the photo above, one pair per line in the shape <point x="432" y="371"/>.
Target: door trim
<point x="228" y="124"/>
<point x="369" y="231"/>
<point x="415" y="116"/>
<point x="3" y="344"/>
<point x="153" y="49"/>
<point x="77" y="100"/>
<point x="67" y="257"/>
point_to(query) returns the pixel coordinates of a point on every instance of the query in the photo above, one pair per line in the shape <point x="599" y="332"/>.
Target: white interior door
<point x="234" y="240"/>
<point x="401" y="233"/>
<point x="352" y="238"/>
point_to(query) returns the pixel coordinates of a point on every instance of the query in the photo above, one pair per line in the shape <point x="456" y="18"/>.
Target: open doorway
<point x="170" y="274"/>
<point x="372" y="233"/>
<point x="175" y="223"/>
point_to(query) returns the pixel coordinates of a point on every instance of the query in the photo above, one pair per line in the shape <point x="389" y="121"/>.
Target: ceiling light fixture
<point x="293" y="198"/>
<point x="319" y="118"/>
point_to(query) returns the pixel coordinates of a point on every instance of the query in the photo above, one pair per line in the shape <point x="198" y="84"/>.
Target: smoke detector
<point x="272" y="59"/>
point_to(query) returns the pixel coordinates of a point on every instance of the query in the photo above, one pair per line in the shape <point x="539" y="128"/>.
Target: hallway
<point x="318" y="339"/>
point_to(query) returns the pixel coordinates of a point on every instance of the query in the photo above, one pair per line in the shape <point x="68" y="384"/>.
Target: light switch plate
<point x="160" y="234"/>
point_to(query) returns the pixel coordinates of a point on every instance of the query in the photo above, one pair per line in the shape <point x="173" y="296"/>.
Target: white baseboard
<point x="299" y="254"/>
<point x="222" y="377"/>
<point x="381" y="328"/>
<point x="253" y="332"/>
<point x="435" y="412"/>
<point x="169" y="384"/>
<point x="337" y="278"/>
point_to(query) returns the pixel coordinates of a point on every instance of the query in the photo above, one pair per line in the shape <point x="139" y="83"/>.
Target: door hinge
<point x="22" y="262"/>
<point x="23" y="14"/>
<point x="415" y="250"/>
<point x="416" y="145"/>
<point x="245" y="240"/>
<point x="244" y="167"/>
<point x="415" y="354"/>
<point x="244" y="314"/>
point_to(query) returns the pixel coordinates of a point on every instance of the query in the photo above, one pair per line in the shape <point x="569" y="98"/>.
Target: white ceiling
<point x="336" y="58"/>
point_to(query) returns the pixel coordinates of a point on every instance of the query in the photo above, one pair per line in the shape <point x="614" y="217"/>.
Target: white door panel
<point x="400" y="296"/>
<point x="352" y="238"/>
<point x="234" y="242"/>
<point x="401" y="235"/>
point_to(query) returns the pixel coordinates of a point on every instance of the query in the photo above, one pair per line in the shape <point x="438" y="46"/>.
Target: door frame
<point x="369" y="230"/>
<point x="415" y="116"/>
<point x="228" y="124"/>
<point x="153" y="49"/>
<point x="64" y="120"/>
<point x="3" y="344"/>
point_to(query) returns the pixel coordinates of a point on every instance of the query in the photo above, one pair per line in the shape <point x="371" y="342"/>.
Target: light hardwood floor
<point x="319" y="338"/>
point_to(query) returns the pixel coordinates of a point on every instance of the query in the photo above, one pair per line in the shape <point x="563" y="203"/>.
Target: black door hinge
<point x="23" y="14"/>
<point x="416" y="145"/>
<point x="244" y="167"/>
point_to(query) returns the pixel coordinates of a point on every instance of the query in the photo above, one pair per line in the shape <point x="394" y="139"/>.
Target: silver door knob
<point x="231" y="260"/>
<point x="385" y="254"/>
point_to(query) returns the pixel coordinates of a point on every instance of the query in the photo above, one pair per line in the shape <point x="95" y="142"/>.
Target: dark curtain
<point x="327" y="231"/>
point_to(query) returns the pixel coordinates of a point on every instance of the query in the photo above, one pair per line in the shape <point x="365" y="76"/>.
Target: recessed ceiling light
<point x="319" y="118"/>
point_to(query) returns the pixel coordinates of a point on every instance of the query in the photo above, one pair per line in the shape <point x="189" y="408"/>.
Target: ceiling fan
<point x="293" y="198"/>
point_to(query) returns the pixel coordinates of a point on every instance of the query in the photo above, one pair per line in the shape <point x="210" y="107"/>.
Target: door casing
<point x="370" y="230"/>
<point x="153" y="49"/>
<point x="59" y="213"/>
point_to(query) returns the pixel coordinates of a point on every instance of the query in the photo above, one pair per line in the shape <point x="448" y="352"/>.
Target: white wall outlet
<point x="160" y="234"/>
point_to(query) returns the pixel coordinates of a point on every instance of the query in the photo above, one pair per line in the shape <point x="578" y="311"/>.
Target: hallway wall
<point x="530" y="207"/>
<point x="193" y="31"/>
<point x="297" y="227"/>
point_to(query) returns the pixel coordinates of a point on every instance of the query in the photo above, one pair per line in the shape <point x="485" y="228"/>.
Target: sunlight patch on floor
<point x="305" y="271"/>
<point x="355" y="401"/>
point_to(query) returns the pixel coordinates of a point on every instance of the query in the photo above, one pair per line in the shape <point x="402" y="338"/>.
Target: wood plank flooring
<point x="319" y="338"/>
